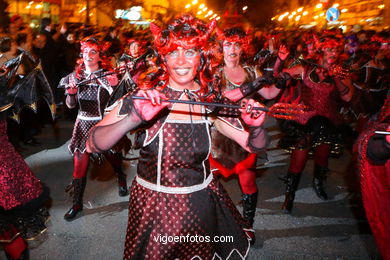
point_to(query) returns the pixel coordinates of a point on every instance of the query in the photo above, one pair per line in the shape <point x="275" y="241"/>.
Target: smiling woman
<point x="182" y="65"/>
<point x="174" y="192"/>
<point x="92" y="96"/>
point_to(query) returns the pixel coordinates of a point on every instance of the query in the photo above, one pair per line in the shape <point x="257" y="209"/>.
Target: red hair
<point x="329" y="42"/>
<point x="141" y="44"/>
<point x="236" y="34"/>
<point x="101" y="47"/>
<point x="187" y="32"/>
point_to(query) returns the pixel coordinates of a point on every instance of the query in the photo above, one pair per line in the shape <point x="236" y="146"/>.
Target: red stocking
<point x="15" y="248"/>
<point x="298" y="160"/>
<point x="247" y="180"/>
<point x="80" y="163"/>
<point x="246" y="176"/>
<point x="321" y="155"/>
<point x="225" y="172"/>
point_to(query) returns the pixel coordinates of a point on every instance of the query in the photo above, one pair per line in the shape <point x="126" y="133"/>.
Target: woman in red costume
<point x="228" y="156"/>
<point x="23" y="213"/>
<point x="322" y="85"/>
<point x="174" y="193"/>
<point x="92" y="98"/>
<point x="132" y="59"/>
<point x="374" y="168"/>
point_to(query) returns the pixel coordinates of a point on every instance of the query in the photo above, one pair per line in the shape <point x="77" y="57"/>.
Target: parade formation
<point x="194" y="97"/>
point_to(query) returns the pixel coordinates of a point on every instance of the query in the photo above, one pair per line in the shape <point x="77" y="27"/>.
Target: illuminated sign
<point x="132" y="14"/>
<point x="332" y="14"/>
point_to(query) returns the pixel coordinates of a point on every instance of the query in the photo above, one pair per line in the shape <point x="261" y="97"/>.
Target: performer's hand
<point x="149" y="108"/>
<point x="121" y="68"/>
<point x="112" y="80"/>
<point x="250" y="116"/>
<point x="388" y="136"/>
<point x="338" y="72"/>
<point x="71" y="89"/>
<point x="130" y="65"/>
<point x="283" y="52"/>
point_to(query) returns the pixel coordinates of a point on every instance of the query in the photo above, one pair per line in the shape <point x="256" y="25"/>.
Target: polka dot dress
<point x="92" y="100"/>
<point x="175" y="158"/>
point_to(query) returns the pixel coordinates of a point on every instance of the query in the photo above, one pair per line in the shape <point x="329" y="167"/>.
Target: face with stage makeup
<point x="331" y="54"/>
<point x="182" y="66"/>
<point x="91" y="55"/>
<point x="134" y="49"/>
<point x="231" y="51"/>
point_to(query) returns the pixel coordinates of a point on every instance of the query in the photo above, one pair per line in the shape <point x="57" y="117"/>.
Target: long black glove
<point x="254" y="86"/>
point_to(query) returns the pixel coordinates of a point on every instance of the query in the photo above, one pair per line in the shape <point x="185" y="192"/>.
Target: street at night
<point x="334" y="229"/>
<point x="194" y="129"/>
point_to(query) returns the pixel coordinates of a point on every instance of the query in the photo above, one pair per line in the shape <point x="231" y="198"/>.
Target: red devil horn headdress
<point x="185" y="31"/>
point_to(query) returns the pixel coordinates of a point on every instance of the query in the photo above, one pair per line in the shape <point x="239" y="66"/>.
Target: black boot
<point x="318" y="181"/>
<point x="292" y="181"/>
<point x="249" y="211"/>
<point x="122" y="184"/>
<point x="249" y="207"/>
<point x="78" y="186"/>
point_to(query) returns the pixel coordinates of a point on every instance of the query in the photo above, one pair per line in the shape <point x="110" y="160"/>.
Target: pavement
<point x="316" y="229"/>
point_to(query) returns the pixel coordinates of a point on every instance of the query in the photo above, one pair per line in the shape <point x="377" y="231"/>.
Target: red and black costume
<point x="92" y="98"/>
<point x="374" y="169"/>
<point x="228" y="156"/>
<point x="176" y="181"/>
<point x="135" y="65"/>
<point x="316" y="128"/>
<point x="23" y="198"/>
<point x="175" y="193"/>
<point x="371" y="82"/>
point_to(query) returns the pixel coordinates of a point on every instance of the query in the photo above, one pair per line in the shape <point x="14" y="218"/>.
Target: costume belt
<point x="89" y="118"/>
<point x="174" y="190"/>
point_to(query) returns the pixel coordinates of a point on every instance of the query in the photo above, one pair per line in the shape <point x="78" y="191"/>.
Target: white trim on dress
<point x="174" y="190"/>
